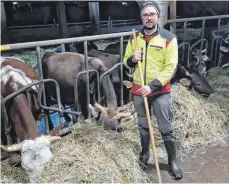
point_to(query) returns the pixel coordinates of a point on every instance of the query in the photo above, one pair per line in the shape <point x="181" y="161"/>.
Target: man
<point x="159" y="59"/>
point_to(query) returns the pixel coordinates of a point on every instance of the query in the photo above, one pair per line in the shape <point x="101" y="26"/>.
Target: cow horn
<point x="12" y="148"/>
<point x="53" y="138"/>
<point x="203" y="51"/>
<point x="188" y="74"/>
<point x="99" y="107"/>
<point x="92" y="110"/>
<point x="129" y="75"/>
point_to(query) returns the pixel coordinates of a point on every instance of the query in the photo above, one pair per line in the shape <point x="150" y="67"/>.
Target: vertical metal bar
<point x="184" y="37"/>
<point x="87" y="83"/>
<point x="202" y="35"/>
<point x="38" y="50"/>
<point x="98" y="86"/>
<point x="76" y="94"/>
<point x="185" y="27"/>
<point x="63" y="47"/>
<point x="212" y="47"/>
<point x="220" y="43"/>
<point x="217" y="41"/>
<point x="220" y="54"/>
<point x="121" y="68"/>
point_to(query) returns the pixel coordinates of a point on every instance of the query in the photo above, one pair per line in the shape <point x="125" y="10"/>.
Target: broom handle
<point x="148" y="116"/>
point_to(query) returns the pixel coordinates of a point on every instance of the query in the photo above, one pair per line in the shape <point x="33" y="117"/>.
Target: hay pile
<point x="219" y="80"/>
<point x="197" y="122"/>
<point x="91" y="154"/>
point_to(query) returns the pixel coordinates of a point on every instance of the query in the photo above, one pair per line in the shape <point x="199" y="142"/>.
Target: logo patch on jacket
<point x="157" y="48"/>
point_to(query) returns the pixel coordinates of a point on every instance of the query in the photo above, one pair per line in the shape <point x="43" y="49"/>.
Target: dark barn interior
<point x="30" y="21"/>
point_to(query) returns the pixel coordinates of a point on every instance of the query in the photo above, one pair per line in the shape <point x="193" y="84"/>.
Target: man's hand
<point x="145" y="90"/>
<point x="137" y="56"/>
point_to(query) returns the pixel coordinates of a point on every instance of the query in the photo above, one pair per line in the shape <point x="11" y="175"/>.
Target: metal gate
<point x="203" y="42"/>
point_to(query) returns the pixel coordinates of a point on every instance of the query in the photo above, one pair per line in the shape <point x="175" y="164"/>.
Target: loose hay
<point x="196" y="121"/>
<point x="95" y="155"/>
<point x="91" y="154"/>
<point x="219" y="79"/>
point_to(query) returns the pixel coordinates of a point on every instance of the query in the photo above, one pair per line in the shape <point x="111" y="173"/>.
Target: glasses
<point x="145" y="16"/>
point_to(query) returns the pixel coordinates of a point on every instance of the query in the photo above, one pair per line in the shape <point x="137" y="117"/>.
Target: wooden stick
<point x="148" y="115"/>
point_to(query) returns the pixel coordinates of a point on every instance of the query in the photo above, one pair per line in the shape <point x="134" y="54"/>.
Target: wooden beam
<point x="62" y="21"/>
<point x="4" y="31"/>
<point x="61" y="17"/>
<point x="94" y="16"/>
<point x="172" y="15"/>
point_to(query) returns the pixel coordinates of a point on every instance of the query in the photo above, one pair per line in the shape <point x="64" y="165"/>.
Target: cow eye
<point x="198" y="85"/>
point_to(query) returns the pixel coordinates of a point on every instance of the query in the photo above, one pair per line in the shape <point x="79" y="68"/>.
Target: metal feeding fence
<point x="41" y="92"/>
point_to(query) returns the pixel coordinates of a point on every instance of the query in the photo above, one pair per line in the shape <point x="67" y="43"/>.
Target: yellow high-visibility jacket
<point x="159" y="60"/>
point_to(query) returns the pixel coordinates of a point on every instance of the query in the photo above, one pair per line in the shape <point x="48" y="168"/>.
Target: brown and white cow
<point x="22" y="113"/>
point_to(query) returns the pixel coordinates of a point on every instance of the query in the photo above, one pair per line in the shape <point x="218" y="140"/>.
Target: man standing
<point x="159" y="59"/>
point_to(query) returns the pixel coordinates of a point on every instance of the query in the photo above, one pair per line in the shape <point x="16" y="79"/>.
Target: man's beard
<point x="150" y="28"/>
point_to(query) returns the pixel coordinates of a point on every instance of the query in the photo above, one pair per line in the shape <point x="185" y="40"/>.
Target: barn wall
<point x="186" y="9"/>
<point x="78" y="11"/>
<point x="4" y="34"/>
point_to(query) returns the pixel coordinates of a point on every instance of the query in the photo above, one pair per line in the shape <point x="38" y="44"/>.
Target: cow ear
<point x="93" y="111"/>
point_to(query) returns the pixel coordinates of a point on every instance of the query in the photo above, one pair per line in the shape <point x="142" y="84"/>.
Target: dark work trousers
<point x="163" y="112"/>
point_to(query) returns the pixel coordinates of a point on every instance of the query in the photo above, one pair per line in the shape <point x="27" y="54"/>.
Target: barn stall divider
<point x="46" y="43"/>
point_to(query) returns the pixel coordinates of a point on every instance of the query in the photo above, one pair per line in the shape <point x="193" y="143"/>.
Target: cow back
<point x="19" y="64"/>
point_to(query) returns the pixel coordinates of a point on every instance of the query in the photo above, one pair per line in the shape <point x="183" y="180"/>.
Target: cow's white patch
<point x="2" y="60"/>
<point x="17" y="76"/>
<point x="15" y="58"/>
<point x="5" y="59"/>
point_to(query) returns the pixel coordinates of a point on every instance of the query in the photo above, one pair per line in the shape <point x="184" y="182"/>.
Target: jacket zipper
<point x="145" y="62"/>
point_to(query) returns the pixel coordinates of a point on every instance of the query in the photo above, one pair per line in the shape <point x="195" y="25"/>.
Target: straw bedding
<point x="91" y="154"/>
<point x="219" y="78"/>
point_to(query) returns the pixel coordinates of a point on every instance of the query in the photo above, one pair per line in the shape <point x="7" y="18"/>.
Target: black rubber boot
<point x="174" y="169"/>
<point x="144" y="155"/>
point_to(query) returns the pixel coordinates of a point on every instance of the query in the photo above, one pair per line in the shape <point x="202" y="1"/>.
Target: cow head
<point x="197" y="81"/>
<point x="201" y="60"/>
<point x="23" y="111"/>
<point x="109" y="118"/>
<point x="34" y="154"/>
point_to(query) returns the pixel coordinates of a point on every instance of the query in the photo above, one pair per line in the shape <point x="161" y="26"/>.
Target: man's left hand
<point x="145" y="90"/>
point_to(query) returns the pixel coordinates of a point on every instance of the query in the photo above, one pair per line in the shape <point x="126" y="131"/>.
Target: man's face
<point x="149" y="17"/>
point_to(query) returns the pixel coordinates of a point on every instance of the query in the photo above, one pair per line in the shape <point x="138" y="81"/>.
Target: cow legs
<point x="3" y="135"/>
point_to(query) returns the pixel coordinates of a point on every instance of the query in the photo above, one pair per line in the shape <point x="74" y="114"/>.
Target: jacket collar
<point x="142" y="33"/>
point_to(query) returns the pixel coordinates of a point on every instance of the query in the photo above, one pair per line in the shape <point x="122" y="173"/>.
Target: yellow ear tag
<point x="128" y="84"/>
